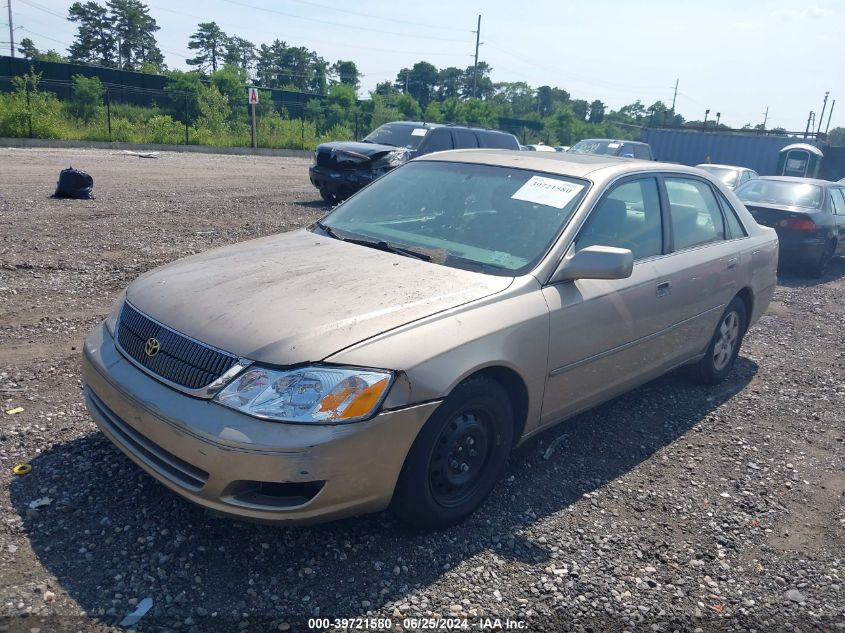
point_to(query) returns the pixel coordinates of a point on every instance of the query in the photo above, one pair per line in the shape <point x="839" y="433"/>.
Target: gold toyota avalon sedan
<point x="393" y="353"/>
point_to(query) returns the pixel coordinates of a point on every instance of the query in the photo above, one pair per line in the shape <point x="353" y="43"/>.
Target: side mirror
<point x="595" y="262"/>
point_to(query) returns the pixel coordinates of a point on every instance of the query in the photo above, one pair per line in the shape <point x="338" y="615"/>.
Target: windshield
<point x="480" y="217"/>
<point x="596" y="147"/>
<point x="793" y="194"/>
<point x="725" y="174"/>
<point x="406" y="136"/>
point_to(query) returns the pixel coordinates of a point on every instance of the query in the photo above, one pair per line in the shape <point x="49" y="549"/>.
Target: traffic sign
<point x="253" y="96"/>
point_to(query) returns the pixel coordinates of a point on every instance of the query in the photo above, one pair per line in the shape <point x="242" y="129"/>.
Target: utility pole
<point x="475" y="71"/>
<point x="675" y="96"/>
<point x="821" y="118"/>
<point x="718" y="118"/>
<point x="706" y="114"/>
<point x="766" y="117"/>
<point x="829" y="115"/>
<point x="809" y="118"/>
<point x="11" y="30"/>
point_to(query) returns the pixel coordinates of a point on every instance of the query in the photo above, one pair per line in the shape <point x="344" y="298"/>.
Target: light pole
<point x="706" y="114"/>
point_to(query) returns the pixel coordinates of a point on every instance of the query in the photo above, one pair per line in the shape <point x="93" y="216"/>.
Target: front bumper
<point x="340" y="182"/>
<point x="222" y="459"/>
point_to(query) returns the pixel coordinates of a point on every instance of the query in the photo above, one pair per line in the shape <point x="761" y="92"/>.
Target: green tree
<point x="579" y="108"/>
<point x="86" y="97"/>
<point x="94" y="42"/>
<point x="51" y="56"/>
<point x="240" y="52"/>
<point x="521" y="97"/>
<point x="134" y="30"/>
<point x="408" y="107"/>
<point x="597" y="110"/>
<point x="27" y="49"/>
<point x="280" y="65"/>
<point x="482" y="84"/>
<point x="184" y="89"/>
<point x="209" y="41"/>
<point x="837" y="136"/>
<point x="419" y="82"/>
<point x="449" y="82"/>
<point x="346" y="72"/>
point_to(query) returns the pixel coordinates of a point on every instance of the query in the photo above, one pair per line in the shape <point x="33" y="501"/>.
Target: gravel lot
<point x="675" y="507"/>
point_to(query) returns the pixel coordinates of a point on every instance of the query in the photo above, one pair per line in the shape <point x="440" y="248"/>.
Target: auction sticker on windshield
<point x="419" y="131"/>
<point x="548" y="191"/>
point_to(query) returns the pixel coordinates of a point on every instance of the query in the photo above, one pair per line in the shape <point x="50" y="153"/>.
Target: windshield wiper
<point x="329" y="231"/>
<point x="377" y="244"/>
<point x="390" y="248"/>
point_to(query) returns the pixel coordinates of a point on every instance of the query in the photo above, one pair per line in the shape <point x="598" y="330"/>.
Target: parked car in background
<point x="808" y="215"/>
<point x="611" y="147"/>
<point x="342" y="168"/>
<point x="561" y="148"/>
<point x="393" y="353"/>
<point x="731" y="175"/>
<point x="539" y="147"/>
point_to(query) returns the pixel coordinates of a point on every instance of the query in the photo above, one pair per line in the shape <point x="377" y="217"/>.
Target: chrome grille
<point x="180" y="360"/>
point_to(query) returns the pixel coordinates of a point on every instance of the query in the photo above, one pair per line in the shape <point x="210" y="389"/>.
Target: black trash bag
<point x="74" y="183"/>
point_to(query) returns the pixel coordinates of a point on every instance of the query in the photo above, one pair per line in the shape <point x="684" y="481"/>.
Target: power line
<point x="346" y="26"/>
<point x="381" y="17"/>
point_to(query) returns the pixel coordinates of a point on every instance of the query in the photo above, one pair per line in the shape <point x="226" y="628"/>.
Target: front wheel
<point x="327" y="196"/>
<point x="724" y="346"/>
<point x="457" y="457"/>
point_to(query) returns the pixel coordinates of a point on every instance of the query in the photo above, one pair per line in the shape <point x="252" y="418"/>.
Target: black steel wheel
<point x="457" y="457"/>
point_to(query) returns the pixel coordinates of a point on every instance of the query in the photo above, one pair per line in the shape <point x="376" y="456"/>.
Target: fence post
<point x="302" y="125"/>
<point x="108" y="111"/>
<point x="28" y="107"/>
<point x="186" y="118"/>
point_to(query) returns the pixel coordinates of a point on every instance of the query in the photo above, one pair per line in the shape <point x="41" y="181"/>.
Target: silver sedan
<point x="392" y="354"/>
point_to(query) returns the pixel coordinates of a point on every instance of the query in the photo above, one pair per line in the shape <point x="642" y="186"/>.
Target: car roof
<point x="449" y="125"/>
<point x="610" y="140"/>
<point x="724" y="166"/>
<point x="593" y="166"/>
<point x="806" y="181"/>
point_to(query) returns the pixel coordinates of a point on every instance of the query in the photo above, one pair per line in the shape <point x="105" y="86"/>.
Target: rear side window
<point x="464" y="139"/>
<point x="439" y="140"/>
<point x="495" y="140"/>
<point x="696" y="217"/>
<point x="734" y="227"/>
<point x="627" y="217"/>
<point x="641" y="151"/>
<point x="837" y="194"/>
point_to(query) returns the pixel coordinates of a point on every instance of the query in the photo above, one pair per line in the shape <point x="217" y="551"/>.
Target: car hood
<point x="352" y="149"/>
<point x="299" y="296"/>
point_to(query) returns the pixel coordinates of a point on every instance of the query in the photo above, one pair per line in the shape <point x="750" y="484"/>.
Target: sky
<point x="737" y="58"/>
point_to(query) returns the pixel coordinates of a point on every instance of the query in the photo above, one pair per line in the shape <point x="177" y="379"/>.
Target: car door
<point x="604" y="334"/>
<point x="837" y="196"/>
<point x="700" y="275"/>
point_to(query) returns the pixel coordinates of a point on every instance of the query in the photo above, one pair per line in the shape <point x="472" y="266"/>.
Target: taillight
<point x="798" y="224"/>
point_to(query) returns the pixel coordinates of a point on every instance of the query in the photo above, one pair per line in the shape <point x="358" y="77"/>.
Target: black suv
<point x="342" y="168"/>
<point x="612" y="147"/>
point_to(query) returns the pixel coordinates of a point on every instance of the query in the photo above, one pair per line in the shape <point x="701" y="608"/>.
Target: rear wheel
<point x="724" y="346"/>
<point x="818" y="268"/>
<point x="457" y="457"/>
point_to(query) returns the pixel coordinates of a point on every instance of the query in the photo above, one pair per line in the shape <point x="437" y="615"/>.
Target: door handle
<point x="664" y="288"/>
<point x="732" y="263"/>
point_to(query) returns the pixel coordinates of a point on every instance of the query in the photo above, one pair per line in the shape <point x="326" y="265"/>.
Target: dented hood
<point x="350" y="149"/>
<point x="299" y="296"/>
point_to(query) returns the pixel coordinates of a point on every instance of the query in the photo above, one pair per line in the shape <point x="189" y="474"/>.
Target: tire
<point x="457" y="457"/>
<point x="819" y="267"/>
<point x="724" y="345"/>
<point x="327" y="196"/>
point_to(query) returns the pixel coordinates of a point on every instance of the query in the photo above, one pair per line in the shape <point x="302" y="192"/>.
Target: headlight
<point x="390" y="160"/>
<point x="312" y="395"/>
<point x="114" y="313"/>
